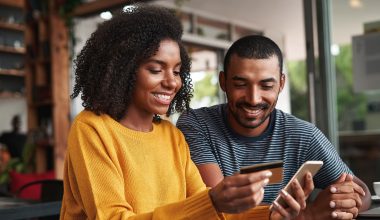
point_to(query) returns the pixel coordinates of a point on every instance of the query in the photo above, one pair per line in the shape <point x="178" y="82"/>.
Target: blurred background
<point x="332" y="65"/>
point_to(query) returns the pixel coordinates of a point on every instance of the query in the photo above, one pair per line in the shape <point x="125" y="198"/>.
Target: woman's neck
<point x="137" y="121"/>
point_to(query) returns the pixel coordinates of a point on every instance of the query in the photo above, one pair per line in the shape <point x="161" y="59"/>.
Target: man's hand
<point x="237" y="193"/>
<point x="294" y="203"/>
<point x="341" y="200"/>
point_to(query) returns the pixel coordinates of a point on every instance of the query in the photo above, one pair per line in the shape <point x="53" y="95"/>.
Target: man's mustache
<point x="258" y="106"/>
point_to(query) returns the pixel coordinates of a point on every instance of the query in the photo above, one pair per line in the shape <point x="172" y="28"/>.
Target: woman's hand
<point x="237" y="193"/>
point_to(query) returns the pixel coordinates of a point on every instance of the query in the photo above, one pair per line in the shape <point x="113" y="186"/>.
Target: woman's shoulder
<point x="90" y="118"/>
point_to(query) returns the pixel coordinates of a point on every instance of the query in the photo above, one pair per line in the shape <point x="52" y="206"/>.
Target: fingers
<point x="237" y="193"/>
<point x="278" y="208"/>
<point x="301" y="194"/>
<point x="291" y="202"/>
<point x="348" y="182"/>
<point x="246" y="179"/>
<point x="309" y="184"/>
<point x="344" y="193"/>
<point x="343" y="204"/>
<point x="341" y="178"/>
<point x="236" y="202"/>
<point x="354" y="211"/>
<point x="255" y="177"/>
<point x="239" y="205"/>
<point x="346" y="205"/>
<point x="298" y="193"/>
<point x="346" y="188"/>
<point x="232" y="193"/>
<point x="357" y="188"/>
<point x="341" y="215"/>
<point x="293" y="207"/>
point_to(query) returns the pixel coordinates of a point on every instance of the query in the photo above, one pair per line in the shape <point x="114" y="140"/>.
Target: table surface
<point x="14" y="208"/>
<point x="373" y="212"/>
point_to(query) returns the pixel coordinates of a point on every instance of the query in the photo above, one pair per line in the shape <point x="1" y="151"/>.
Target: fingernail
<point x="334" y="215"/>
<point x="332" y="204"/>
<point x="285" y="193"/>
<point x="276" y="203"/>
<point x="268" y="174"/>
<point x="333" y="190"/>
<point x="266" y="181"/>
<point x="270" y="207"/>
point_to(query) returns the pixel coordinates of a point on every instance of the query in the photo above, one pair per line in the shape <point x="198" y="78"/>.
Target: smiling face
<point x="252" y="87"/>
<point x="157" y="81"/>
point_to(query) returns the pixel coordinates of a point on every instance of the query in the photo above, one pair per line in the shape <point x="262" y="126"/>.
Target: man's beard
<point x="261" y="106"/>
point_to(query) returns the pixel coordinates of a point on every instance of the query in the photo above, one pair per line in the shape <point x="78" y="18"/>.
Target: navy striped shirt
<point x="287" y="138"/>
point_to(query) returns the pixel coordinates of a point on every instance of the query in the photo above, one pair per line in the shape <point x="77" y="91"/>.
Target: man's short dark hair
<point x="253" y="47"/>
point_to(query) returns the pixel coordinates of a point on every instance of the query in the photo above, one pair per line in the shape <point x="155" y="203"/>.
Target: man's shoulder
<point x="290" y="120"/>
<point x="202" y="114"/>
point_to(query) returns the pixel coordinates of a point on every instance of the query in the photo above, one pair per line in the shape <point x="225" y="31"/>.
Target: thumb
<point x="341" y="178"/>
<point x="349" y="177"/>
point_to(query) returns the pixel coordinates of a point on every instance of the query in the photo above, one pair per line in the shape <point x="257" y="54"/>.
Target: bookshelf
<point x="12" y="49"/>
<point x="47" y="83"/>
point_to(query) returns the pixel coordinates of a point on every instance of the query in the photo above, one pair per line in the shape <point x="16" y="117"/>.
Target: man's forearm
<point x="366" y="202"/>
<point x="366" y="199"/>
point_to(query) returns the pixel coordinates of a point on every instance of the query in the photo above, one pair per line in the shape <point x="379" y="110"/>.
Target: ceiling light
<point x="106" y="15"/>
<point x="129" y="8"/>
<point x="356" y="3"/>
<point x="335" y="49"/>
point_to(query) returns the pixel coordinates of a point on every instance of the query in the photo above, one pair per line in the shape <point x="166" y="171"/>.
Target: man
<point x="14" y="140"/>
<point x="250" y="130"/>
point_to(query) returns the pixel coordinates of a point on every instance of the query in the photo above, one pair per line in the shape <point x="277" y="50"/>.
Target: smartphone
<point x="275" y="167"/>
<point x="311" y="166"/>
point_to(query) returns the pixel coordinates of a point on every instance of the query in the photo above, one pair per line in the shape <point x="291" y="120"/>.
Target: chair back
<point x="51" y="190"/>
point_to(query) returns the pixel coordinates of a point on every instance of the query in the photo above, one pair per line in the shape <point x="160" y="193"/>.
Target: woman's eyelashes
<point x="155" y="71"/>
<point x="176" y="72"/>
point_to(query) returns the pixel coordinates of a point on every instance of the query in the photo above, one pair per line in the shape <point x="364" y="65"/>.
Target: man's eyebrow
<point x="268" y="80"/>
<point x="239" y="78"/>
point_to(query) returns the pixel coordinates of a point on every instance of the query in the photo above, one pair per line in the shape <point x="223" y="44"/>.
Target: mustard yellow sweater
<point x="112" y="172"/>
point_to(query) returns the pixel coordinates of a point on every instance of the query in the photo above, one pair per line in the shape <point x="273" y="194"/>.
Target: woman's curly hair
<point x="105" y="69"/>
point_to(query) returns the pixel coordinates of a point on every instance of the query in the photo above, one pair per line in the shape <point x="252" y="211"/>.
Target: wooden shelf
<point x="12" y="72"/>
<point x="39" y="60"/>
<point x="93" y="7"/>
<point x="42" y="103"/>
<point x="13" y="3"/>
<point x="11" y="95"/>
<point x="12" y="26"/>
<point x="7" y="49"/>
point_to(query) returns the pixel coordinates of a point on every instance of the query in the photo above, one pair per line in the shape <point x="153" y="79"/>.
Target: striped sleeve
<point x="196" y="137"/>
<point x="333" y="166"/>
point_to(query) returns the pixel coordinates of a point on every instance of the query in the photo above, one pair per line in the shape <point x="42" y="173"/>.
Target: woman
<point x="122" y="160"/>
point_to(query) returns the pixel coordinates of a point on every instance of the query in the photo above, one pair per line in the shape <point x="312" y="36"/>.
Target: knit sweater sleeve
<point x="94" y="185"/>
